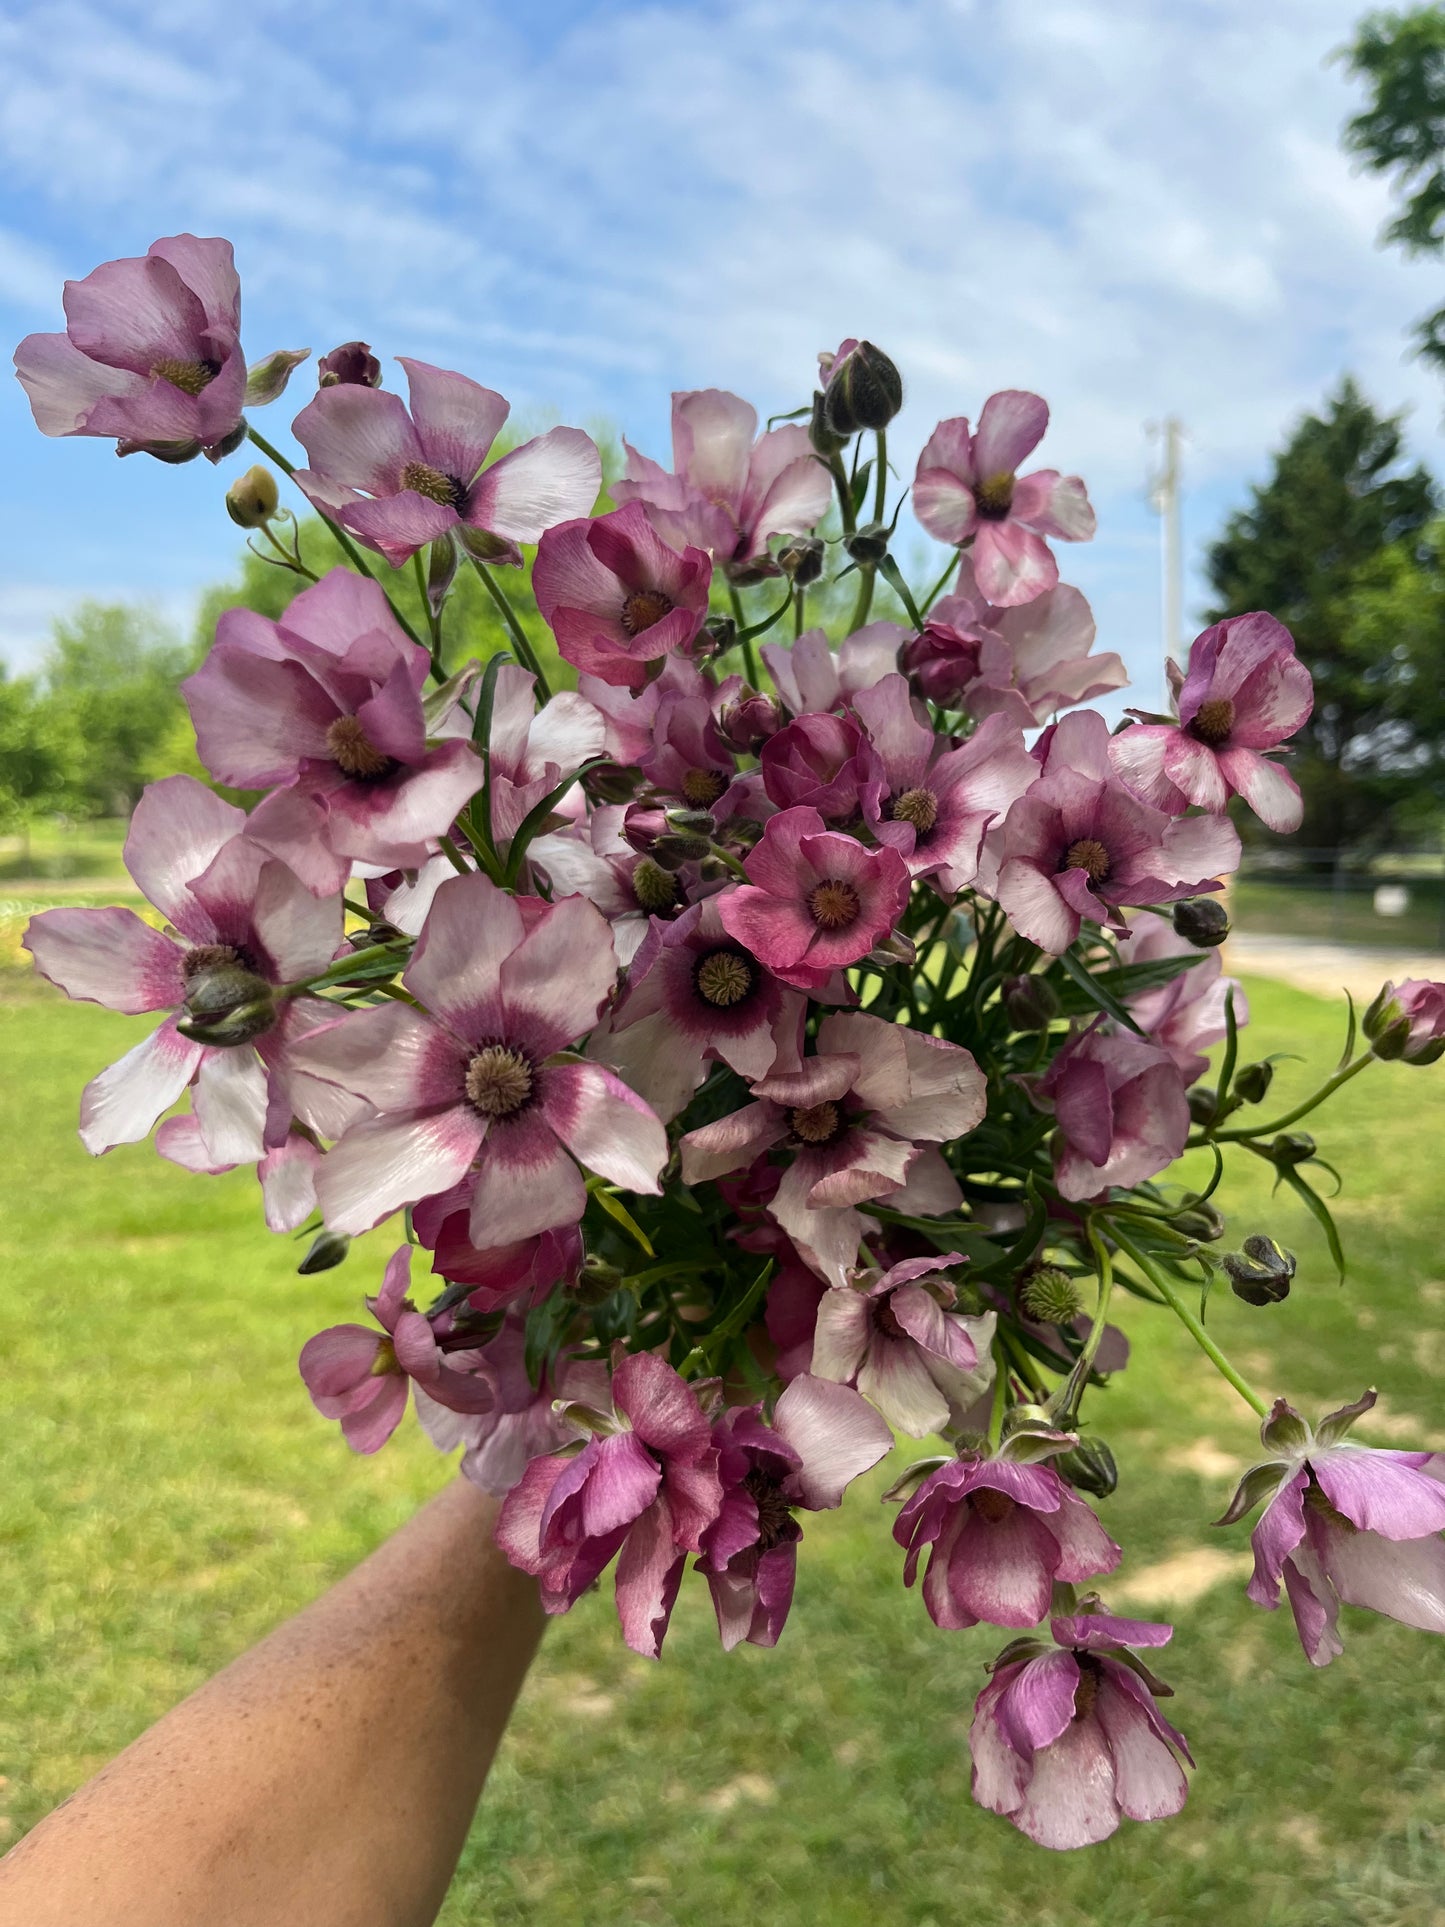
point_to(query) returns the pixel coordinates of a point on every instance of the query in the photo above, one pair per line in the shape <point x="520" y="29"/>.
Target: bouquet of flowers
<point x="770" y="1047"/>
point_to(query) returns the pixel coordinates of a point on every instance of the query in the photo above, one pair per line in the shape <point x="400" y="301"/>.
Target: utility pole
<point x="1164" y="492"/>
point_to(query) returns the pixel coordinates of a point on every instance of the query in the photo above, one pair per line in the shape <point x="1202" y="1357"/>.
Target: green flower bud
<point x="226" y="1004"/>
<point x="326" y="1250"/>
<point x="266" y="380"/>
<point x="1200" y="1222"/>
<point x="1253" y="1082"/>
<point x="865" y="390"/>
<point x="1032" y="1002"/>
<point x="1089" y="1467"/>
<point x="596" y="1281"/>
<point x="1049" y="1296"/>
<point x="1202" y="921"/>
<point x="1260" y="1274"/>
<point x="824" y="441"/>
<point x="654" y="889"/>
<point x="1203" y="1104"/>
<point x="251" y="501"/>
<point x="868" y="545"/>
<point x="1291" y="1148"/>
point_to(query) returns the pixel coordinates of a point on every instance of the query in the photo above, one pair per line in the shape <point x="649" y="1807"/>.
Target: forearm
<point x="328" y="1775"/>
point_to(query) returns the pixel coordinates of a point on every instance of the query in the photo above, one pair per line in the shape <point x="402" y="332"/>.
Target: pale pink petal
<point x="107" y="956"/>
<point x="456" y="419"/>
<point x="175" y="832"/>
<point x="1011" y="425"/>
<point x="1070" y="1798"/>
<point x="944" y="504"/>
<point x="542" y="483"/>
<point x="1378" y="1493"/>
<point x="841" y="1334"/>
<point x="605" y="1126"/>
<point x="1037" y="1706"/>
<point x="392" y="1055"/>
<point x="288" y="1183"/>
<point x="649" y="1573"/>
<point x="1002" y="1572"/>
<point x="1035" y="908"/>
<point x="1012" y="565"/>
<point x="299" y="933"/>
<point x="1402" y="1578"/>
<point x="230" y="1105"/>
<point x="895" y="1377"/>
<point x="732" y="1142"/>
<point x="1316" y="1608"/>
<point x="554" y="983"/>
<point x="999" y="1775"/>
<point x="1149" y="1783"/>
<point x="360" y="437"/>
<point x="1268" y="788"/>
<point x="384" y="1162"/>
<point x="455" y="970"/>
<point x="835" y="1433"/>
<point x="124" y="1101"/>
<point x="527" y="1184"/>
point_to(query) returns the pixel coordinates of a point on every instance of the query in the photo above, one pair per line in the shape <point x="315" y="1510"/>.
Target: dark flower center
<point x="209" y="956"/>
<point x="1213" y="721"/>
<point x="701" y="787"/>
<point x="348" y="748"/>
<point x="1088" y="855"/>
<point x="499" y="1081"/>
<point x="775" y="1515"/>
<point x="724" y="978"/>
<point x="991" y="1504"/>
<point x="1317" y="1502"/>
<point x="1087" y="1690"/>
<point x="189" y="376"/>
<point x="643" y="608"/>
<point x="817" y="1124"/>
<point x="994" y="497"/>
<point x="834" y="904"/>
<point x="918" y="807"/>
<point x="652" y="886"/>
<point x="434" y="485"/>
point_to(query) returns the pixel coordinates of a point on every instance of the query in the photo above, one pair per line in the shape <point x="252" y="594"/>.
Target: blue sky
<point x="1131" y="207"/>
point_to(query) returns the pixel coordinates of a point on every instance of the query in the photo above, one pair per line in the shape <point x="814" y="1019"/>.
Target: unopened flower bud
<point x="1291" y="1148"/>
<point x="1031" y="1002"/>
<point x="596" y="1281"/>
<point x="675" y="849"/>
<point x="653" y="887"/>
<point x="1253" y="1082"/>
<point x="642" y="825"/>
<point x="252" y="499"/>
<point x="225" y="1029"/>
<point x="443" y="560"/>
<point x="824" y="441"/>
<point x="749" y="720"/>
<point x="226" y="1004"/>
<point x="266" y="380"/>
<point x="868" y="545"/>
<point x="1203" y="1103"/>
<point x="352" y="364"/>
<point x="1202" y="921"/>
<point x="326" y="1250"/>
<point x="1260" y="1274"/>
<point x="865" y="390"/>
<point x="377" y="932"/>
<point x="801" y="559"/>
<point x="1089" y="1467"/>
<point x="1049" y="1296"/>
<point x="692" y="822"/>
<point x="1201" y="1222"/>
<point x="612" y="783"/>
<point x="721" y="633"/>
<point x="893" y="949"/>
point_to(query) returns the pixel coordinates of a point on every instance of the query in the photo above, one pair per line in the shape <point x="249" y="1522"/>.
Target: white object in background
<point x="1391" y="900"/>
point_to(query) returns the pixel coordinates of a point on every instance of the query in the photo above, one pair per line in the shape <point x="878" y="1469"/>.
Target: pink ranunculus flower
<point x="531" y="750"/>
<point x="1344" y="1524"/>
<point x="728" y="492"/>
<point x="479" y="1077"/>
<point x="524" y="1423"/>
<point x="1067" y="1738"/>
<point x="967" y="489"/>
<point x="862" y="1119"/>
<point x="1245" y="693"/>
<point x="1406" y="1022"/>
<point x="327" y="701"/>
<point x="1186" y="1015"/>
<point x="896" y="1336"/>
<point x="819" y="762"/>
<point x="1121" y="1108"/>
<point x="617" y="597"/>
<point x="1079" y="844"/>
<point x="501" y="1276"/>
<point x="822" y="1437"/>
<point x="1025" y="663"/>
<point x="421" y="468"/>
<point x="360" y="1375"/>
<point x="151" y="354"/>
<point x="934" y="798"/>
<point x="813" y="679"/>
<point x="1000" y="1534"/>
<point x="244" y="926"/>
<point x="646" y="1487"/>
<point x="695" y="995"/>
<point x="815" y="901"/>
<point x="595" y="860"/>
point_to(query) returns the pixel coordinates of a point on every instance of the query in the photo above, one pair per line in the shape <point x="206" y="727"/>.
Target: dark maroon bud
<point x="352" y="364"/>
<point x="865" y="390"/>
<point x="1202" y="921"/>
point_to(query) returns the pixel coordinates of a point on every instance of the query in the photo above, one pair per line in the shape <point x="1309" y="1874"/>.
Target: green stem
<point x="1188" y="1319"/>
<point x="454" y="856"/>
<point x="433" y="619"/>
<point x="865" y="599"/>
<point x="1327" y="1089"/>
<point x="800" y="598"/>
<point x="288" y="560"/>
<point x="338" y="972"/>
<point x="845" y="493"/>
<point x="1000" y="1397"/>
<point x="880" y="477"/>
<point x="518" y="633"/>
<point x="942" y="583"/>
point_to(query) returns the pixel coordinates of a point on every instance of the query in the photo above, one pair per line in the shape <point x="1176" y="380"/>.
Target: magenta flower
<point x="1343" y="1523"/>
<point x="616" y="597"/>
<point x="1000" y="1534"/>
<point x="728" y="492"/>
<point x="1246" y="692"/>
<point x="1025" y="663"/>
<point x="422" y="467"/>
<point x="474" y="1078"/>
<point x="1407" y="1023"/>
<point x="520" y="1274"/>
<point x="695" y="995"/>
<point x="812" y="679"/>
<point x="896" y="1336"/>
<point x="967" y="489"/>
<point x="328" y="702"/>
<point x="524" y="1422"/>
<point x="151" y="354"/>
<point x="1067" y="1738"/>
<point x="822" y="1437"/>
<point x="814" y="901"/>
<point x="1079" y="844"/>
<point x="861" y="1119"/>
<point x="933" y="799"/>
<point x="647" y="1487"/>
<point x="244" y="927"/>
<point x="1186" y="1015"/>
<point x="360" y="1376"/>
<point x="1121" y="1109"/>
<point x="819" y="762"/>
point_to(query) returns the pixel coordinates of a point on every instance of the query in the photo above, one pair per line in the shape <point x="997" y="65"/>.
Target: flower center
<point x="499" y="1081"/>
<point x="1087" y="1690"/>
<point x="724" y="978"/>
<point x="208" y="956"/>
<point x="994" y="497"/>
<point x="386" y="1362"/>
<point x="991" y="1504"/>
<point x="815" y="1124"/>
<point x="918" y="807"/>
<point x="775" y="1515"/>
<point x="348" y="748"/>
<point x="1088" y="855"/>
<point x="652" y="886"/>
<point x="643" y="608"/>
<point x="189" y="376"/>
<point x="834" y="904"/>
<point x="434" y="485"/>
<point x="1213" y="721"/>
<point x="702" y="787"/>
<point x="1317" y="1502"/>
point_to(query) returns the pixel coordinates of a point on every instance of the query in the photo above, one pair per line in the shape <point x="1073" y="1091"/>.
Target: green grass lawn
<point x="170" y="1495"/>
<point x="53" y="849"/>
<point x="1289" y="906"/>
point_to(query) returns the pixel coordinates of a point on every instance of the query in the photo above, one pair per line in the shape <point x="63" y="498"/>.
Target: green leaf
<point x="860" y="488"/>
<point x="618" y="1212"/>
<point x="893" y="576"/>
<point x="1320" y="1212"/>
<point x="534" y="819"/>
<point x="1127" y="980"/>
<point x="1348" y="1052"/>
<point x="1097" y="992"/>
<point x="1231" y="1053"/>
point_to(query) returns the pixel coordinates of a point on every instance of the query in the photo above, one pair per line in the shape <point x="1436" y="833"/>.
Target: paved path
<point x="1326" y="969"/>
